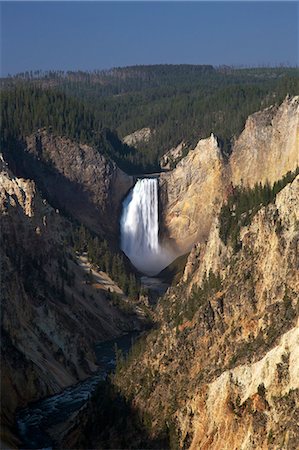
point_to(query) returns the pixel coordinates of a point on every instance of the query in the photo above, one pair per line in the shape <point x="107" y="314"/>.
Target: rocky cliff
<point x="50" y="317"/>
<point x="222" y="370"/>
<point x="269" y="145"/>
<point x="74" y="177"/>
<point x="193" y="192"/>
<point x="173" y="156"/>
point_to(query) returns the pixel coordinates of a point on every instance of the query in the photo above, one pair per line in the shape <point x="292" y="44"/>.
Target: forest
<point x="178" y="102"/>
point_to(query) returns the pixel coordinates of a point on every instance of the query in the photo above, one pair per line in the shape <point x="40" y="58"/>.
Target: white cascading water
<point x="140" y="228"/>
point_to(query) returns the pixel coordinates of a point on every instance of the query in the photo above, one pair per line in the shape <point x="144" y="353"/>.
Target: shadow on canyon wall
<point x="109" y="421"/>
<point x="62" y="193"/>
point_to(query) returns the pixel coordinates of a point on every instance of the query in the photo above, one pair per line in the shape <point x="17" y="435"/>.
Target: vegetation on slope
<point x="243" y="204"/>
<point x="25" y="109"/>
<point x="190" y="304"/>
<point x="178" y="102"/>
<point x="99" y="254"/>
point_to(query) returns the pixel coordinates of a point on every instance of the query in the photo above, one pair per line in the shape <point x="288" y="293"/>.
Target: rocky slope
<point x="139" y="136"/>
<point x="74" y="177"/>
<point x="50" y="317"/>
<point x="192" y="193"/>
<point x="173" y="156"/>
<point x="226" y="376"/>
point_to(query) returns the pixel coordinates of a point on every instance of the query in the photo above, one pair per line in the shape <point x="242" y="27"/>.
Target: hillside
<point x="177" y="102"/>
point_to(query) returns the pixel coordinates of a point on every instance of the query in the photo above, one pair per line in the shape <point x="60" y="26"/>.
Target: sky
<point x="101" y="35"/>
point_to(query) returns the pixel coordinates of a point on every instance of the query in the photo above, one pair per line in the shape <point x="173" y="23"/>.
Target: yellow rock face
<point x="15" y="191"/>
<point x="228" y="423"/>
<point x="269" y="145"/>
<point x="193" y="192"/>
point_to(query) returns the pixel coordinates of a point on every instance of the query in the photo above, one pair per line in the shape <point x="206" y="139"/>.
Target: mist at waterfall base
<point x="139" y="227"/>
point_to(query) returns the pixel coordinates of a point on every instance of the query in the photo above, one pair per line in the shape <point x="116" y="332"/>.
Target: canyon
<point x="222" y="376"/>
<point x="221" y="370"/>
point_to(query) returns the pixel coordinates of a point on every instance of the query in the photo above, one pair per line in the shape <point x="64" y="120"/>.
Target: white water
<point x="139" y="227"/>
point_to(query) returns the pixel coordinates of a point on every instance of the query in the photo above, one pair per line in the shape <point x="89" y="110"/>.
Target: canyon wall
<point x="226" y="376"/>
<point x="76" y="178"/>
<point x="50" y="317"/>
<point x="193" y="192"/>
<point x="269" y="145"/>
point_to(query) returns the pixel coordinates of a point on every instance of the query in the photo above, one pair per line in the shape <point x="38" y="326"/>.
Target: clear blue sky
<point x="98" y="35"/>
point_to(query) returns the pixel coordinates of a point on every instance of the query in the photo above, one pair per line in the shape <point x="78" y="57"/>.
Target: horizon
<point x="109" y="69"/>
<point x="101" y="36"/>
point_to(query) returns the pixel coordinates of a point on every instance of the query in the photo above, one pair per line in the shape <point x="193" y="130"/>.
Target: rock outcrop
<point x="139" y="136"/>
<point x="173" y="156"/>
<point x="76" y="178"/>
<point x="206" y="257"/>
<point x="254" y="405"/>
<point x="193" y="192"/>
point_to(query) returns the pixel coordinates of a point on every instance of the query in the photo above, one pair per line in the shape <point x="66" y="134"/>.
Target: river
<point x="35" y="421"/>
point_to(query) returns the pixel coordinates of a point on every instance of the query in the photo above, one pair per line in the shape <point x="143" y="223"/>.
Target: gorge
<point x="217" y="348"/>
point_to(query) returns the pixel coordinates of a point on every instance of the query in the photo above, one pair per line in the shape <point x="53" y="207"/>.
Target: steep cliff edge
<point x="74" y="177"/>
<point x="193" y="192"/>
<point x="50" y="317"/>
<point x="222" y="370"/>
<point x="269" y="145"/>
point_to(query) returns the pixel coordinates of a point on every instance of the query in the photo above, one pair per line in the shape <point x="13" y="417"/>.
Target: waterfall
<point x="139" y="227"/>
